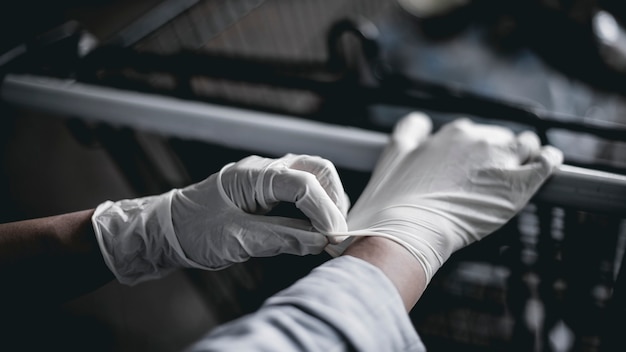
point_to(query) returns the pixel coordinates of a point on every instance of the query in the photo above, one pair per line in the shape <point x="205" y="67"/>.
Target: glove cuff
<point x="428" y="247"/>
<point x="136" y="238"/>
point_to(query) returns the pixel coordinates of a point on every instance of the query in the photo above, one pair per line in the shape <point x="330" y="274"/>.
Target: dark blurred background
<point x="545" y="282"/>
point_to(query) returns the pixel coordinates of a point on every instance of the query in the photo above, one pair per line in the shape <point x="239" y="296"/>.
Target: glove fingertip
<point x="460" y="123"/>
<point x="528" y="146"/>
<point x="336" y="239"/>
<point x="412" y="129"/>
<point x="534" y="174"/>
<point x="550" y="158"/>
<point x="336" y="249"/>
<point x="324" y="214"/>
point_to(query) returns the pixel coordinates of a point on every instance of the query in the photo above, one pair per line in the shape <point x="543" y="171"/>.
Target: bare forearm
<point x="396" y="262"/>
<point x="50" y="260"/>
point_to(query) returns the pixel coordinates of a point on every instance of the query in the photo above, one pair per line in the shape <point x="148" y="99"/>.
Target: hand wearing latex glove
<point x="436" y="195"/>
<point x="217" y="222"/>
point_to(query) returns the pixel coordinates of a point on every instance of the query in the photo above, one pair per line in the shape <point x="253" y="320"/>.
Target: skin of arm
<point x="59" y="255"/>
<point x="47" y="261"/>
<point x="50" y="260"/>
<point x="395" y="262"/>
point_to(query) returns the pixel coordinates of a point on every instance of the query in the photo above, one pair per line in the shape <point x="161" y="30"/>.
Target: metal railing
<point x="272" y="134"/>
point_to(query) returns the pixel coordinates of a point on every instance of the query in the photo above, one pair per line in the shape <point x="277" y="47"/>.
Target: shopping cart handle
<point x="585" y="189"/>
<point x="270" y="134"/>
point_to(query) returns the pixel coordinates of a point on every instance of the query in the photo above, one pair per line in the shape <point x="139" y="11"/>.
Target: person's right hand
<point x="436" y="195"/>
<point x="220" y="220"/>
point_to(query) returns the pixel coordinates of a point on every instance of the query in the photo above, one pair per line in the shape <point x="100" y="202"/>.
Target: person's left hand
<point x="435" y="195"/>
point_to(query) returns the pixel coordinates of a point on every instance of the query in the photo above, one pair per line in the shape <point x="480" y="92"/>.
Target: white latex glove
<point x="436" y="195"/>
<point x="215" y="223"/>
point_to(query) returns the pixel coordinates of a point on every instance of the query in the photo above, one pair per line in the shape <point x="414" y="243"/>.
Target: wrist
<point x="398" y="264"/>
<point x="136" y="238"/>
<point x="73" y="233"/>
<point x="426" y="246"/>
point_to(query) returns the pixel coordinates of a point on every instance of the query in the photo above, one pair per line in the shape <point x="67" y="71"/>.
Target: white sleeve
<point x="345" y="304"/>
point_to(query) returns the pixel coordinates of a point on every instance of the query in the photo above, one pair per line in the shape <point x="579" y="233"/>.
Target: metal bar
<point x="272" y="134"/>
<point x="317" y="78"/>
<point x="150" y="22"/>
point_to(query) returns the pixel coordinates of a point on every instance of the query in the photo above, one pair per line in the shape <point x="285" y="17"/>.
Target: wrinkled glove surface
<point x="219" y="221"/>
<point x="435" y="195"/>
